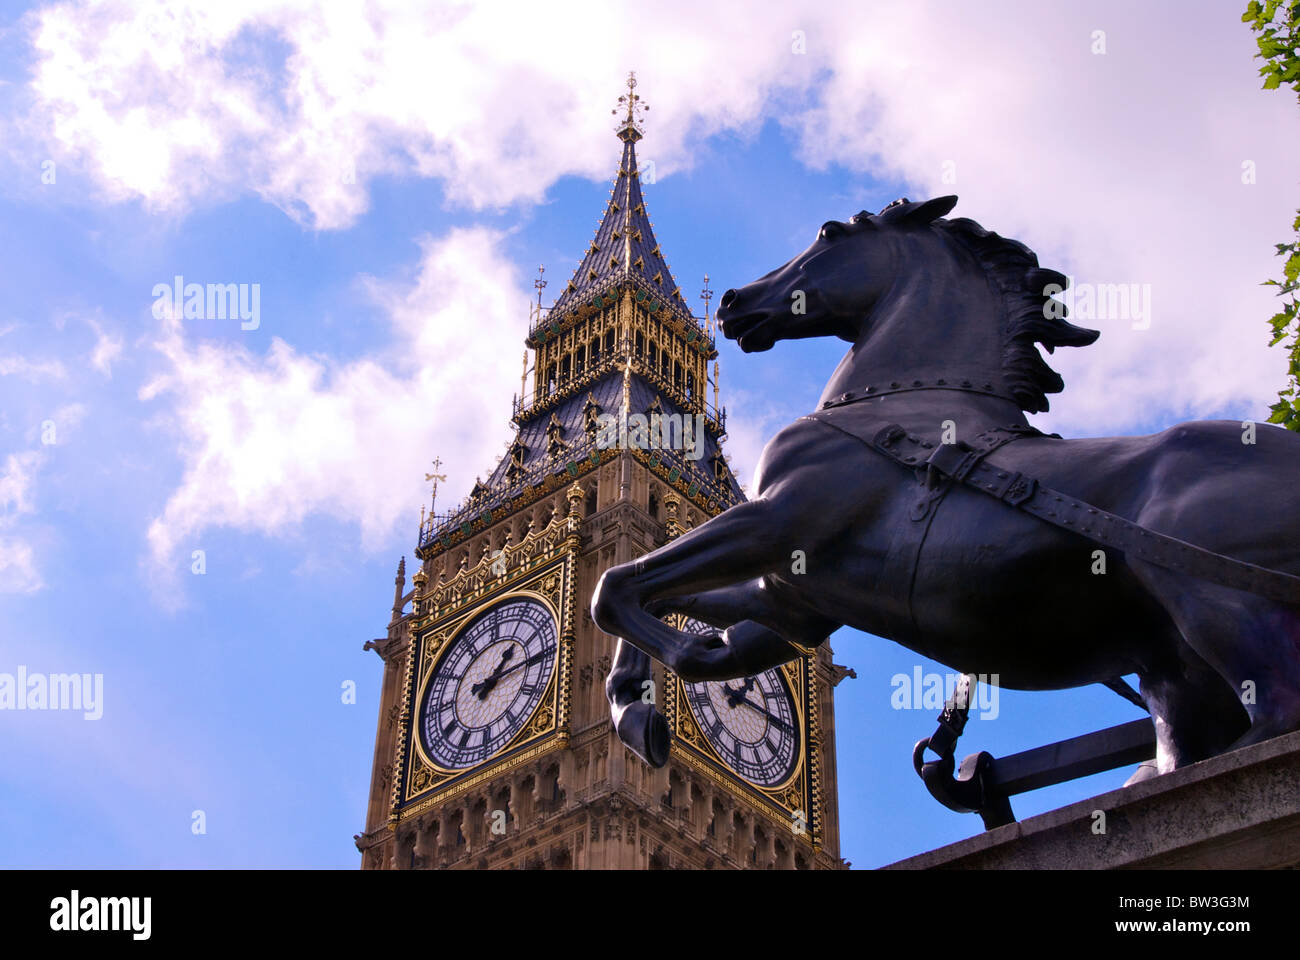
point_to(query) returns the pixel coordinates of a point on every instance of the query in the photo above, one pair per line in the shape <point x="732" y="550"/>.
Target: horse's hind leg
<point x="1250" y="642"/>
<point x="1194" y="711"/>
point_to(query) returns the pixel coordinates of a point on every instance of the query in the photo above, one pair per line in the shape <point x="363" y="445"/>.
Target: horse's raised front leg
<point x="640" y="726"/>
<point x="757" y="626"/>
<point x="735" y="548"/>
<point x="617" y="609"/>
<point x="744" y="648"/>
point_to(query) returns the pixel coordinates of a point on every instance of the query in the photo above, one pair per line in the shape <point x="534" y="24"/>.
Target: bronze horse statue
<point x="1171" y="556"/>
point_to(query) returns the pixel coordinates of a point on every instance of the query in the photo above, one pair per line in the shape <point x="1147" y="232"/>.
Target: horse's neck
<point x="940" y="414"/>
<point x="944" y="325"/>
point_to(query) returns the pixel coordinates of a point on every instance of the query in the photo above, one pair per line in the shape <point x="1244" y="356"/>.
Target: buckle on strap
<point x="1017" y="489"/>
<point x="954" y="460"/>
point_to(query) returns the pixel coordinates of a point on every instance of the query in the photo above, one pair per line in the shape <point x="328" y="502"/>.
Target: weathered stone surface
<point x="1239" y="810"/>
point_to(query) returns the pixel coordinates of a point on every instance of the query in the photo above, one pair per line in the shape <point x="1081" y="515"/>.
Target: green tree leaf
<point x="1276" y="24"/>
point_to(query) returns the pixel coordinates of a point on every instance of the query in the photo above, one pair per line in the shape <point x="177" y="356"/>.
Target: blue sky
<point x="391" y="177"/>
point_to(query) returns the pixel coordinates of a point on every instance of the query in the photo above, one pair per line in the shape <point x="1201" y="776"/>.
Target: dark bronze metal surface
<point x="1051" y="562"/>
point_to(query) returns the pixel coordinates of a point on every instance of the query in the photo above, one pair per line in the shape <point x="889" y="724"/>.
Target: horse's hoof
<point x="644" y="731"/>
<point x="1145" y="771"/>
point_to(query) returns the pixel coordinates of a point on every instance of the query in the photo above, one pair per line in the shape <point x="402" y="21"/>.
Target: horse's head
<point x="828" y="288"/>
<point x="921" y="297"/>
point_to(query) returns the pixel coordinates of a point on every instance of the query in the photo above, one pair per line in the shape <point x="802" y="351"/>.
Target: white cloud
<point x="174" y="103"/>
<point x="107" y="349"/>
<point x="16" y="480"/>
<point x="18" y="572"/>
<point x="14" y="365"/>
<point x="1118" y="167"/>
<point x="18" y="567"/>
<point x="268" y="440"/>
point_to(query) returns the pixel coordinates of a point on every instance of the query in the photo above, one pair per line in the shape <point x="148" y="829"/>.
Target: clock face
<point x="751" y="723"/>
<point x="487" y="685"/>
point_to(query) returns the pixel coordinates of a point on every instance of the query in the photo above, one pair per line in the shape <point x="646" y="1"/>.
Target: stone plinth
<point x="1240" y="810"/>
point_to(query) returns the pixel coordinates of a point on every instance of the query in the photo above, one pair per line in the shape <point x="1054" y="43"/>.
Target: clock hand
<point x="483" y="688"/>
<point x="735" y="696"/>
<point x="775" y="720"/>
<point x="535" y="658"/>
<point x="487" y="683"/>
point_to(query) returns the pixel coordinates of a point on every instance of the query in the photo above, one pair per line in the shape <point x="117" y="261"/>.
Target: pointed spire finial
<point x="400" y="585"/>
<point x="630" y="128"/>
<point x="434" y="477"/>
<point x="540" y="285"/>
<point x="707" y="296"/>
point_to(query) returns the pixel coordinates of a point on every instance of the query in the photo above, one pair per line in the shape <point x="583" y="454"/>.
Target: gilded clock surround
<point x="539" y="722"/>
<point x="539" y="567"/>
<point x="795" y="798"/>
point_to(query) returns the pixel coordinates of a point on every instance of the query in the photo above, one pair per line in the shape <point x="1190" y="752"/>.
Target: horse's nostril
<point x="728" y="298"/>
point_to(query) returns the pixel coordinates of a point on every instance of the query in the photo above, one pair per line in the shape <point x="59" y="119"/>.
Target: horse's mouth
<point x="747" y="330"/>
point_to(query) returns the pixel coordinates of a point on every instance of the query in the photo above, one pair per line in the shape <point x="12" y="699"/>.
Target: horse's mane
<point x="1014" y="268"/>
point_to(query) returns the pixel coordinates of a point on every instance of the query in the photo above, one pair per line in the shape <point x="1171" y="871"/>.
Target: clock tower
<point x="494" y="748"/>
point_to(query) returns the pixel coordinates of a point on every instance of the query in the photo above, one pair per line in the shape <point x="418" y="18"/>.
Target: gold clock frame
<point x="435" y="648"/>
<point x="542" y="567"/>
<point x="799" y="793"/>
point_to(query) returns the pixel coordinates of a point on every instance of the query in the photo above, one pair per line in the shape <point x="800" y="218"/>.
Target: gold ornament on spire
<point x="540" y="285"/>
<point x="434" y="477"/>
<point x="707" y="296"/>
<point x="630" y="128"/>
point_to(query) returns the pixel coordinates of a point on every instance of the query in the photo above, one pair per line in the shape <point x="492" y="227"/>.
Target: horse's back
<point x="1220" y="484"/>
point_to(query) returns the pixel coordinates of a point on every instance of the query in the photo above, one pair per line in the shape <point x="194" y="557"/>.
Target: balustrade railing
<point x="696" y="473"/>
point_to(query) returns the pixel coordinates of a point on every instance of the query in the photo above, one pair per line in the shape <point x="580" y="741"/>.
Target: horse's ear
<point x="919" y="214"/>
<point x="1040" y="278"/>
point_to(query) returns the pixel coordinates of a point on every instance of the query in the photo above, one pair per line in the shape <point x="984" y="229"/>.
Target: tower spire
<point x="624" y="246"/>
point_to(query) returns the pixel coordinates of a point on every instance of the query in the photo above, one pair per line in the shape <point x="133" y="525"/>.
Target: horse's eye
<point x="831" y="229"/>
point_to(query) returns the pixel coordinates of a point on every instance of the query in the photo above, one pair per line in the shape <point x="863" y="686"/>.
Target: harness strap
<point x="907" y="539"/>
<point x="965" y="464"/>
